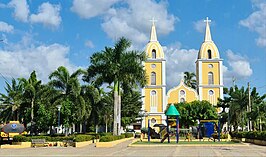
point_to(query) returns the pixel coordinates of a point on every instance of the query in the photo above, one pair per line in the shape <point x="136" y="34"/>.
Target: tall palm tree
<point x="190" y="79"/>
<point x="31" y="92"/>
<point x="68" y="95"/>
<point x="238" y="105"/>
<point x="11" y="101"/>
<point x="118" y="66"/>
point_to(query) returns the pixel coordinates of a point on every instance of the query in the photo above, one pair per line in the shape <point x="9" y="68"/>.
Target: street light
<point x="146" y="114"/>
<point x="58" y="107"/>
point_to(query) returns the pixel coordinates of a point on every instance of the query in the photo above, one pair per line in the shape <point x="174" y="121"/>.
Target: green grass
<point x="184" y="142"/>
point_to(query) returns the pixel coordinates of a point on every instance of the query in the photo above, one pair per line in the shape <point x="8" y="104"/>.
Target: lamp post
<point x="219" y="127"/>
<point x="58" y="107"/>
<point x="146" y="114"/>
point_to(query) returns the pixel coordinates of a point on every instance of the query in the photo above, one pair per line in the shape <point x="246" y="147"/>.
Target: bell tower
<point x="154" y="100"/>
<point x="209" y="69"/>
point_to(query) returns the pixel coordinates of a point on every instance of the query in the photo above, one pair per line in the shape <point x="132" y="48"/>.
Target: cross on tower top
<point x="207" y="20"/>
<point x="153" y="21"/>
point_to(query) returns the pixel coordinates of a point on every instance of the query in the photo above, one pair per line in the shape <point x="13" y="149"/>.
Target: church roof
<point x="208" y="44"/>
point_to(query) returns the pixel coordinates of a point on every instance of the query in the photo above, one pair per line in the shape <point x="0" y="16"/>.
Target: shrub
<point x="20" y="138"/>
<point x="127" y="135"/>
<point x="81" y="138"/>
<point x="111" y="138"/>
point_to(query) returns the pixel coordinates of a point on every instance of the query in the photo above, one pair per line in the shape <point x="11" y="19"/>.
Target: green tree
<point x="196" y="110"/>
<point x="68" y="95"/>
<point x="31" y="93"/>
<point x="10" y="102"/>
<point x="238" y="106"/>
<point x="120" y="67"/>
<point x="189" y="79"/>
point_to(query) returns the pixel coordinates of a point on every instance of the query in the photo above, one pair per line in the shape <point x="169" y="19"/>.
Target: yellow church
<point x="209" y="78"/>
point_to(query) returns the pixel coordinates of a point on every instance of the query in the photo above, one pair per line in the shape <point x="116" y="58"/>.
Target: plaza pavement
<point x="123" y="150"/>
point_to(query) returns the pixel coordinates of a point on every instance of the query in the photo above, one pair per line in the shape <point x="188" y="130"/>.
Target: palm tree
<point x="189" y="79"/>
<point x="118" y="66"/>
<point x="238" y="105"/>
<point x="68" y="94"/>
<point x="11" y="101"/>
<point x="31" y="92"/>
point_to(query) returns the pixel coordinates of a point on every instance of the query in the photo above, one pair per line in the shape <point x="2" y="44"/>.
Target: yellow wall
<point x="206" y="94"/>
<point x="215" y="70"/>
<point x="147" y="99"/>
<point x="159" y="119"/>
<point x="204" y="51"/>
<point x="157" y="70"/>
<point x="173" y="96"/>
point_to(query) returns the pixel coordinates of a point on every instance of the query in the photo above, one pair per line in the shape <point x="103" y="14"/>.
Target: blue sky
<point x="42" y="35"/>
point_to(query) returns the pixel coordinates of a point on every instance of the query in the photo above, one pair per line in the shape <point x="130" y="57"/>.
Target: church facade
<point x="209" y="78"/>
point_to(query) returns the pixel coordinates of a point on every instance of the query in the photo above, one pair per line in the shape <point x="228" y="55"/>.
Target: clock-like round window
<point x="153" y="66"/>
<point x="153" y="120"/>
<point x="210" y="66"/>
<point x="211" y="92"/>
<point x="153" y="92"/>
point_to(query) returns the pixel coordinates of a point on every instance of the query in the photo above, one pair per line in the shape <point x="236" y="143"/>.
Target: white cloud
<point x="21" y="9"/>
<point x="178" y="61"/>
<point x="239" y="67"/>
<point x="4" y="27"/>
<point x="89" y="44"/>
<point x="256" y="21"/>
<point x="43" y="59"/>
<point x="48" y="15"/>
<point x="133" y="20"/>
<point x="91" y="8"/>
<point x="199" y="25"/>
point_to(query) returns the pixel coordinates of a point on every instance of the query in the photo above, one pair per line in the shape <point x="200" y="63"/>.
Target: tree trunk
<point x="116" y="104"/>
<point x="31" y="127"/>
<point x="119" y="114"/>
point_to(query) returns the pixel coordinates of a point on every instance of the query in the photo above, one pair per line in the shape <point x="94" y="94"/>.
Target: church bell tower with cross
<point x="154" y="100"/>
<point x="209" y="69"/>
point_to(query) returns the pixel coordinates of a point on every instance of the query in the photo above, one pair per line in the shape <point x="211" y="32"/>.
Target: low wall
<point x="112" y="143"/>
<point x="255" y="141"/>
<point x="82" y="144"/>
<point x="17" y="145"/>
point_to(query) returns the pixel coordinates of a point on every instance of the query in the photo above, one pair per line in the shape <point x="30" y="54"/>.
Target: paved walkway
<point x="123" y="150"/>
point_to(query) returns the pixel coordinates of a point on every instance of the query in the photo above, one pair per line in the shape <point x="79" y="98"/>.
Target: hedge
<point x="259" y="135"/>
<point x="75" y="138"/>
<point x="81" y="138"/>
<point x="111" y="138"/>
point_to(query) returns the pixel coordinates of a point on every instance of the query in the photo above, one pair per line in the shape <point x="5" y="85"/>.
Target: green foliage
<point x="127" y="135"/>
<point x="20" y="138"/>
<point x="81" y="138"/>
<point x="190" y="79"/>
<point x="196" y="110"/>
<point x="259" y="135"/>
<point x="111" y="138"/>
<point x="76" y="138"/>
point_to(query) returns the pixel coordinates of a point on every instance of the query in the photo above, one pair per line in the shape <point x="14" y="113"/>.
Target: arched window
<point x="182" y="100"/>
<point x="153" y="54"/>
<point x="210" y="78"/>
<point x="153" y="78"/>
<point x="209" y="54"/>
<point x="182" y="93"/>
<point x="153" y="101"/>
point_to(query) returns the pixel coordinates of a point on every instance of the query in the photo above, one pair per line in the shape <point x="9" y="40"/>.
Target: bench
<point x="41" y="142"/>
<point x="68" y="143"/>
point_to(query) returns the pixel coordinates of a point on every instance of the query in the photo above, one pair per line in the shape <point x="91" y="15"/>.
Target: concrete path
<point x="123" y="150"/>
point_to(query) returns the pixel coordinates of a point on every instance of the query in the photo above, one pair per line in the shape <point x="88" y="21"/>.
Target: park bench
<point x="68" y="143"/>
<point x="39" y="142"/>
